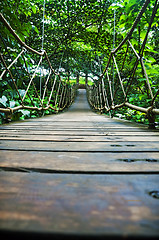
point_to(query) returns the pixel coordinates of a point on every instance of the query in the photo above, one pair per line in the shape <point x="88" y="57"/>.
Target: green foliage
<point x="78" y="39"/>
<point x="132" y="115"/>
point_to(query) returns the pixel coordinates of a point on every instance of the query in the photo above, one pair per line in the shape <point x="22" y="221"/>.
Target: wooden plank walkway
<point x="79" y="174"/>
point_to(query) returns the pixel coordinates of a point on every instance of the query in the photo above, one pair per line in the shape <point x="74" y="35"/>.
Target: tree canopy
<point x="79" y="34"/>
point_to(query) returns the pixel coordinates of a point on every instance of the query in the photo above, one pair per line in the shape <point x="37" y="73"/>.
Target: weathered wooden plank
<point x="71" y="125"/>
<point x="75" y="123"/>
<point x="80" y="138"/>
<point x="79" y="146"/>
<point x="80" y="161"/>
<point x="74" y="132"/>
<point x="80" y="204"/>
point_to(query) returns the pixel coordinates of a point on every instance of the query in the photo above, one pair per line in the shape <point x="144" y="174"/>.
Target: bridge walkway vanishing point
<point x="80" y="174"/>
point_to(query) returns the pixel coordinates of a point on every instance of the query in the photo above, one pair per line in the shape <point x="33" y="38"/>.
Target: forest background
<point x="78" y="38"/>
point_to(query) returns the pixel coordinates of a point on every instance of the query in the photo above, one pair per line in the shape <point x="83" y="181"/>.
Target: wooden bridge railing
<point x="117" y="86"/>
<point x="28" y="80"/>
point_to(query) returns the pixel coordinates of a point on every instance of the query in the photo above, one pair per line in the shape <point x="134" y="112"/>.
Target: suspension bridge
<point x="78" y="173"/>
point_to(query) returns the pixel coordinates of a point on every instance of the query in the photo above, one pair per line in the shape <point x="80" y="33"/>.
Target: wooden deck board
<point x="79" y="173"/>
<point x="81" y="138"/>
<point x="78" y="132"/>
<point x="80" y="146"/>
<point x="80" y="204"/>
<point x="80" y="161"/>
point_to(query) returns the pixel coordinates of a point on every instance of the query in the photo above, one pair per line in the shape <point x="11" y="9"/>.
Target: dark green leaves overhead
<point x="79" y="31"/>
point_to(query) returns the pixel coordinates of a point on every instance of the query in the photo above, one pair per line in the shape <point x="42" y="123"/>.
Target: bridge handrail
<point x="63" y="90"/>
<point x="102" y="98"/>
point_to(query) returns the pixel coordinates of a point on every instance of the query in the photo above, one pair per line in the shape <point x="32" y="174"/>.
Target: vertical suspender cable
<point x="61" y="62"/>
<point x="41" y="69"/>
<point x="114" y="29"/>
<point x="100" y="68"/>
<point x="114" y="44"/>
<point x="43" y="26"/>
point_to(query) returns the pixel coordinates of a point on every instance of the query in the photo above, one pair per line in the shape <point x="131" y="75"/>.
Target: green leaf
<point x="26" y="113"/>
<point x="12" y="104"/>
<point x="143" y="34"/>
<point x="29" y="13"/>
<point x="22" y="92"/>
<point x="131" y="99"/>
<point x="141" y="79"/>
<point x="151" y="59"/>
<point x="36" y="30"/>
<point x="3" y="101"/>
<point x="33" y="9"/>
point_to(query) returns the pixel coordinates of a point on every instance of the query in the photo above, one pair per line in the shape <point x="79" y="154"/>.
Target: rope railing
<point x="110" y="94"/>
<point x="28" y="79"/>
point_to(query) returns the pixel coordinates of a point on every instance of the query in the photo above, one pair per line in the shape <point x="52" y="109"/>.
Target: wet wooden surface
<point x="79" y="173"/>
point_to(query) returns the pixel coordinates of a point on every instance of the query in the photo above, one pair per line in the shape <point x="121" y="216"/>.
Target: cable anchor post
<point x="8" y="115"/>
<point x="151" y="118"/>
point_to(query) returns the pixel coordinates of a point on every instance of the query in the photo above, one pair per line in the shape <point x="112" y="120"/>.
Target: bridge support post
<point x="86" y="79"/>
<point x="77" y="78"/>
<point x="151" y="118"/>
<point x="8" y="116"/>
